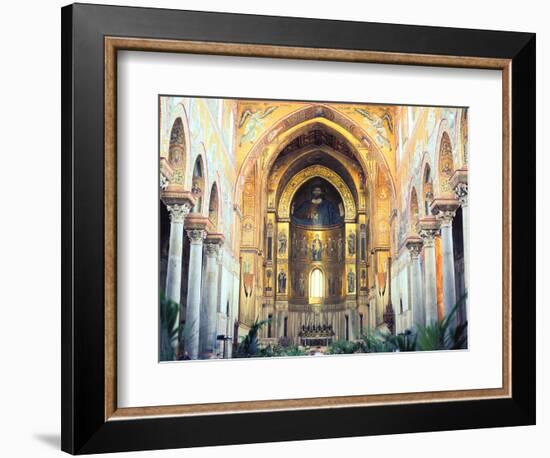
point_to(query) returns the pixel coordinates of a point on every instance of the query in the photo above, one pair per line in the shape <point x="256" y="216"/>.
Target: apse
<point x="317" y="252"/>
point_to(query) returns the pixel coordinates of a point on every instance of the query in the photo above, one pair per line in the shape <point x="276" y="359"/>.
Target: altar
<point x="316" y="335"/>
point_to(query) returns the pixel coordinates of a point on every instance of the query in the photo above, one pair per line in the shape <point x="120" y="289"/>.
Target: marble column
<point x="414" y="245"/>
<point x="462" y="195"/>
<point x="209" y="310"/>
<point x="427" y="230"/>
<point x="459" y="182"/>
<point x="175" y="251"/>
<point x="178" y="203"/>
<point x="192" y="321"/>
<point x="444" y="210"/>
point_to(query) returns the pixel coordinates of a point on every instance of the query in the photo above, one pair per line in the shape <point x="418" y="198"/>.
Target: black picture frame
<point x="84" y="428"/>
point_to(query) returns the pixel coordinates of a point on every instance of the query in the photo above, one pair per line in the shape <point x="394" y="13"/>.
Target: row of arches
<point x="178" y="154"/>
<point x="420" y="206"/>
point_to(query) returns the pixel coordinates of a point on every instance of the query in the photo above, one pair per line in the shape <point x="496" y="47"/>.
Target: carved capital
<point x="428" y="229"/>
<point x="178" y="212"/>
<point x="213" y="243"/>
<point x="178" y="201"/>
<point x="428" y="236"/>
<point x="163" y="181"/>
<point x="459" y="184"/>
<point x="445" y="217"/>
<point x="444" y="210"/>
<point x="196" y="236"/>
<point x="212" y="249"/>
<point x="414" y="245"/>
<point x="461" y="193"/>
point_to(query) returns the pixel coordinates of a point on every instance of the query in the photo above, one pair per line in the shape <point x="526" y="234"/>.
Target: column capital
<point x="215" y="238"/>
<point x="212" y="249"/>
<point x="428" y="229"/>
<point x="444" y="209"/>
<point x="178" y="212"/>
<point x="459" y="183"/>
<point x="213" y="243"/>
<point x="196" y="236"/>
<point x="178" y="201"/>
<point x="414" y="244"/>
<point x="163" y="181"/>
<point x="461" y="193"/>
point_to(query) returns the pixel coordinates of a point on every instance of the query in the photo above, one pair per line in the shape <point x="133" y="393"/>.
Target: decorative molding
<point x="178" y="176"/>
<point x="175" y="194"/>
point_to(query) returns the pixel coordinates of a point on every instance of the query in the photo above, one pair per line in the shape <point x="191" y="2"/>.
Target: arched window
<point x="198" y="184"/>
<point x="413" y="209"/>
<point x="316" y="284"/>
<point x="176" y="152"/>
<point x="428" y="190"/>
<point x="446" y="167"/>
<point x="213" y="207"/>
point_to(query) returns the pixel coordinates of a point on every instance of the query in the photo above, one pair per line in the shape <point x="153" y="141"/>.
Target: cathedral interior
<point x="326" y="220"/>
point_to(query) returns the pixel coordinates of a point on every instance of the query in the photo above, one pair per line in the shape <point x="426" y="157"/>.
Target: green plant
<point x="405" y="341"/>
<point x="443" y="334"/>
<point x="279" y="350"/>
<point x="249" y="345"/>
<point x="169" y="328"/>
<point x="374" y="342"/>
<point x="440" y="335"/>
<point x="293" y="350"/>
<point x="343" y="347"/>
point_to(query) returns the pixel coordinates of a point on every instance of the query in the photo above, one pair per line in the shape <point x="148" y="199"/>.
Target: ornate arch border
<point x="330" y="117"/>
<point x="179" y="111"/>
<point x="314" y="171"/>
<point x="427" y="161"/>
<point x="443" y="128"/>
<point x="412" y="189"/>
<point x="304" y="152"/>
<point x="200" y="156"/>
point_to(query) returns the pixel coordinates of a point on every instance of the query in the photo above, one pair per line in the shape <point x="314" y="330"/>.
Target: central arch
<point x="267" y="148"/>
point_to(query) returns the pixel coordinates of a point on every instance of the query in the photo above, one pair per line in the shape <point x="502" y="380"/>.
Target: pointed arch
<point x="177" y="147"/>
<point x="214" y="206"/>
<point x="445" y="164"/>
<point x="464" y="135"/>
<point x="198" y="183"/>
<point x="269" y="144"/>
<point x="427" y="188"/>
<point x="413" y="208"/>
<point x="279" y="174"/>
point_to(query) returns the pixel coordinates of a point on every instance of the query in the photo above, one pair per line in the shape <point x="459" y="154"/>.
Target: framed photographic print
<point x="281" y="228"/>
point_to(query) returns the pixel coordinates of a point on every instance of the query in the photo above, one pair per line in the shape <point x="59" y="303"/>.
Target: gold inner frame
<point x="114" y="44"/>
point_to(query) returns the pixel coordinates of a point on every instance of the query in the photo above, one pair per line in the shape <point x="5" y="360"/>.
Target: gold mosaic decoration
<point x="312" y="172"/>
